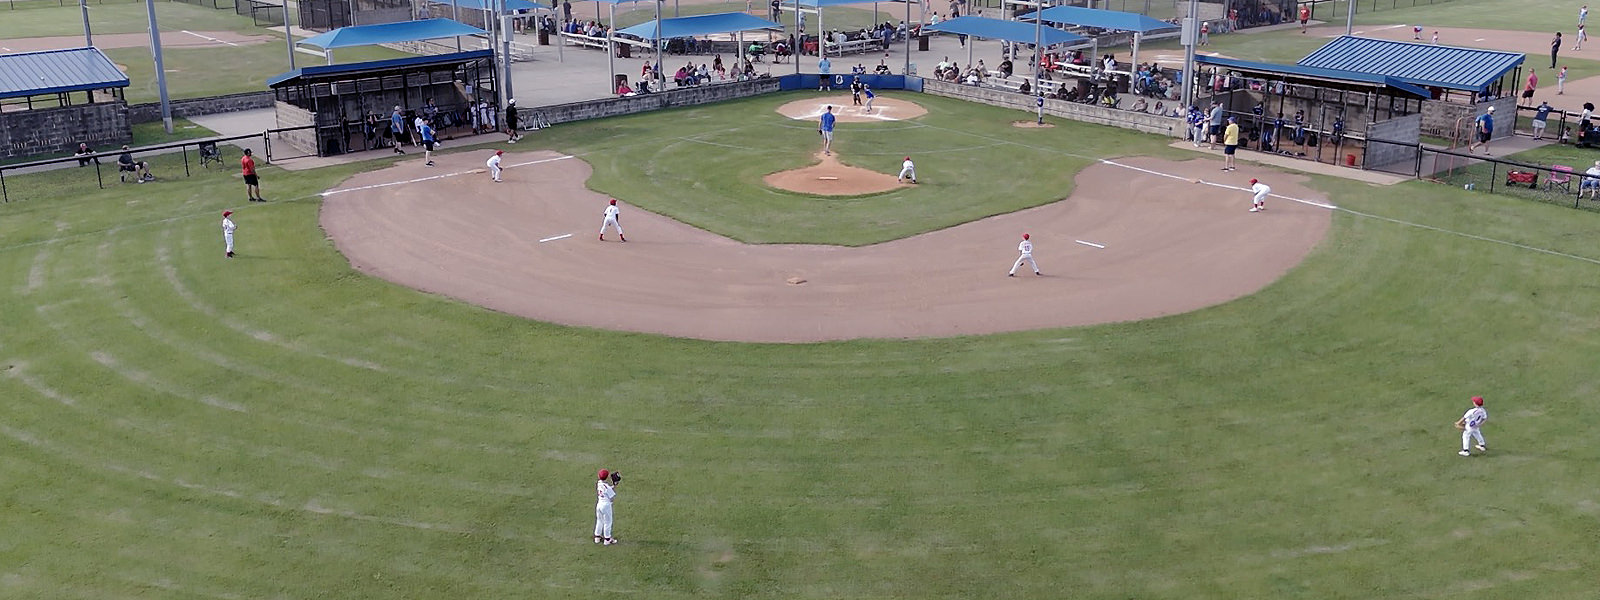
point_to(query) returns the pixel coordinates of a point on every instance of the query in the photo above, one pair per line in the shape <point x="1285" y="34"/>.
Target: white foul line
<point x="1089" y="244"/>
<point x="207" y="37"/>
<point x="552" y="239"/>
<point x="1220" y="185"/>
<point x="433" y="177"/>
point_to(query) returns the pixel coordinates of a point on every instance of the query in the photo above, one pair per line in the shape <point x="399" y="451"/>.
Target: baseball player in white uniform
<point x="494" y="165"/>
<point x="606" y="492"/>
<point x="612" y="214"/>
<point x="227" y="231"/>
<point x="1026" y="248"/>
<point x="907" y="171"/>
<point x="1471" y="425"/>
<point x="1258" y="202"/>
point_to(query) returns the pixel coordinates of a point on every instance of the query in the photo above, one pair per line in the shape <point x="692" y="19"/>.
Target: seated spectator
<point x="624" y="90"/>
<point x="1591" y="182"/>
<point x="126" y="164"/>
<point x="83" y="150"/>
<point x="681" y="77"/>
<point x="1005" y="68"/>
<point x="1140" y="105"/>
<point x="704" y="75"/>
<point x="882" y="68"/>
<point x="1025" y="89"/>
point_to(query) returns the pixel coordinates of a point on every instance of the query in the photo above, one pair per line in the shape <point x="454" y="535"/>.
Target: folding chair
<point x="1560" y="176"/>
<point x="209" y="153"/>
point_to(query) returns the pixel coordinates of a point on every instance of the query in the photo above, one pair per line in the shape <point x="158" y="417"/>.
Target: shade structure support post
<point x="907" y="70"/>
<point x="799" y="39"/>
<point x="455" y="15"/>
<point x="161" y="71"/>
<point x="505" y="57"/>
<point x="659" y="41"/>
<point x="288" y="38"/>
<point x="611" y="52"/>
<point x="1191" y="80"/>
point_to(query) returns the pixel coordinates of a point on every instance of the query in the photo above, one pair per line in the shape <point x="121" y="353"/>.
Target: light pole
<point x="288" y="38"/>
<point x="88" y="40"/>
<point x="1350" y="17"/>
<point x="1190" y="78"/>
<point x="161" y="71"/>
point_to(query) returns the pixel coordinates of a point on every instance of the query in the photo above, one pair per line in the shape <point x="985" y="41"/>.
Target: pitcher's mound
<point x="883" y="109"/>
<point x="830" y="178"/>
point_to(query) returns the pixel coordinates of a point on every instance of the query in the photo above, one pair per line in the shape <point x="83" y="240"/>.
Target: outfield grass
<point x="49" y="19"/>
<point x="193" y="72"/>
<point x="179" y="425"/>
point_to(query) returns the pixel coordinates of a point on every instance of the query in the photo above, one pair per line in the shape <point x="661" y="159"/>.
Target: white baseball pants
<point x="495" y="171"/>
<point x="228" y="239"/>
<point x="1260" y="198"/>
<point x="610" y="222"/>
<point x="1469" y="435"/>
<point x="1025" y="258"/>
<point x="908" y="173"/>
<point x="602" y="519"/>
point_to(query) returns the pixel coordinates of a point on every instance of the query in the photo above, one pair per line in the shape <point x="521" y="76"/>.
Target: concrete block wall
<point x="150" y="112"/>
<point x="26" y="133"/>
<point x="612" y="107"/>
<point x="1115" y="117"/>
<point x="290" y="115"/>
<point x="1399" y="129"/>
<point x="1439" y="118"/>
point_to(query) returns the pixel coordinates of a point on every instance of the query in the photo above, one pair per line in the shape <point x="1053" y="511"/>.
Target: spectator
<point x="126" y="164"/>
<point x="1005" y="68"/>
<point x="566" y="10"/>
<point x="84" y="150"/>
<point x="397" y="128"/>
<point x="1591" y="182"/>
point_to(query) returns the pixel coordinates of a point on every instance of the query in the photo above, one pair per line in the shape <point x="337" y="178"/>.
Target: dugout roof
<point x="1299" y="75"/>
<point x="57" y="71"/>
<point x="354" y="70"/>
<point x="1448" y="67"/>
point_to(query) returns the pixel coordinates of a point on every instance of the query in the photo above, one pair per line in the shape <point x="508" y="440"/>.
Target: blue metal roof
<point x="825" y="3"/>
<point x="1102" y="19"/>
<point x="511" y="6"/>
<point x="1469" y="69"/>
<point x="388" y="33"/>
<point x="345" y="70"/>
<point x="1316" y="73"/>
<point x="1011" y="31"/>
<point x="53" y="71"/>
<point x="700" y="25"/>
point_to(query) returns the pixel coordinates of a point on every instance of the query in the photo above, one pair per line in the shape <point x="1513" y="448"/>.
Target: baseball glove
<point x="1461" y="424"/>
<point x="616" y="478"/>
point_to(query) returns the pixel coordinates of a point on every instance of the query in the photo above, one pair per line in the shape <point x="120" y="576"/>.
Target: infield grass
<point x="178" y="425"/>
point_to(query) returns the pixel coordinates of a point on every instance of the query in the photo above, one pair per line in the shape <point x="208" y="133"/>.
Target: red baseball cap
<point x="1477" y="400"/>
<point x="604" y="473"/>
<point x="1253" y="182"/>
<point x="908" y="158"/>
<point x="499" y="152"/>
<point x="613" y="201"/>
<point x="1024" y="236"/>
<point x="226" y="213"/>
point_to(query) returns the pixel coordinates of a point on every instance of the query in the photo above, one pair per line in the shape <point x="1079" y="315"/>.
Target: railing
<point x="1556" y="184"/>
<point x="183" y="147"/>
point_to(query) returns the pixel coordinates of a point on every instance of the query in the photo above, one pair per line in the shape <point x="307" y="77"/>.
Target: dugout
<point x="52" y="100"/>
<point x="340" y="100"/>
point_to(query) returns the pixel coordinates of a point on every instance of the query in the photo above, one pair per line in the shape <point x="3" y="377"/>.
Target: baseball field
<point x="288" y="424"/>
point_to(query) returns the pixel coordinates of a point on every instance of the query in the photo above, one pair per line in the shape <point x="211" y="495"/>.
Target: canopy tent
<point x="388" y="33"/>
<point x="511" y="6"/>
<point x="822" y="45"/>
<point x="1104" y="19"/>
<point x="1011" y="31"/>
<point x="58" y="72"/>
<point x="611" y="45"/>
<point x="732" y="22"/>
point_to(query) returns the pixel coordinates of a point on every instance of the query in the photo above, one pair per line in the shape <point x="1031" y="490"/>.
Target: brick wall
<point x="1439" y="117"/>
<point x="150" y="112"/>
<point x="290" y="115"/>
<point x="58" y="130"/>
<point x="1148" y="123"/>
<point x="612" y="107"/>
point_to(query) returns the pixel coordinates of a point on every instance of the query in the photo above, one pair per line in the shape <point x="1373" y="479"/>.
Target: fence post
<point x="3" y="192"/>
<point x="97" y="180"/>
<point x="185" y="151"/>
<point x="1494" y="173"/>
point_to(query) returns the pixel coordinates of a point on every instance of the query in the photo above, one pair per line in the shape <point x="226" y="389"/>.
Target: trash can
<point x="922" y="43"/>
<point x="544" y="37"/>
<point x="1123" y="83"/>
<point x="1349" y="160"/>
<point x="624" y="50"/>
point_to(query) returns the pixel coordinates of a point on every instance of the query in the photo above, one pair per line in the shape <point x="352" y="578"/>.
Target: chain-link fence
<point x="1567" y="185"/>
<point x="1338" y="10"/>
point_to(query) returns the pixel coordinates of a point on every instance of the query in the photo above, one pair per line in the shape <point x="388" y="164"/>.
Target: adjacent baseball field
<point x="177" y="425"/>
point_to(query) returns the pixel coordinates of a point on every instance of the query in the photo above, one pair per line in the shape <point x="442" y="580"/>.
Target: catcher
<point x="1470" y="424"/>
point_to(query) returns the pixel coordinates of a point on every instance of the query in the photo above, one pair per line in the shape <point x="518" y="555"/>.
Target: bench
<point x="854" y="46"/>
<point x="586" y="41"/>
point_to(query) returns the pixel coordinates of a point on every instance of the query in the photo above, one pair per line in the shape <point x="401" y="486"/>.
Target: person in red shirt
<point x="252" y="182"/>
<point x="1305" y="15"/>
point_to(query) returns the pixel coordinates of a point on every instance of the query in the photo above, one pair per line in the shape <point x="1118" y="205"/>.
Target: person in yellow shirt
<point x="1230" y="143"/>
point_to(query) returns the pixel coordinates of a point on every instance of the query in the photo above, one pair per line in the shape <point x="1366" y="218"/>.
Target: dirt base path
<point x="169" y="39"/>
<point x="528" y="247"/>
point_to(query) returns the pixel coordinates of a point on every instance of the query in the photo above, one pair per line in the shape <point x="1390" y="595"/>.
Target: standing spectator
<point x="227" y="232"/>
<point x="1230" y="144"/>
<point x="397" y="128"/>
<point x="1305" y="16"/>
<point x="1555" y="48"/>
<point x="823" y="66"/>
<point x="1216" y="124"/>
<point x="1539" y="117"/>
<point x="512" y="118"/>
<point x="1471" y="425"/>
<point x="775" y="10"/>
<point x="566" y="10"/>
<point x="84" y="150"/>
<point x="1561" y="81"/>
<point x="252" y="182"/>
<point x="1485" y="128"/>
<point x="1205" y="33"/>
<point x="1533" y="84"/>
<point x="1026" y="248"/>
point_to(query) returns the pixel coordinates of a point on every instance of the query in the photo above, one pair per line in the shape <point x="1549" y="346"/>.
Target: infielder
<point x="494" y="165"/>
<point x="606" y="492"/>
<point x="1258" y="202"/>
<point x="907" y="171"/>
<point x="227" y="231"/>
<point x="1026" y="248"/>
<point x="825" y="127"/>
<point x="1471" y="424"/>
<point x="866" y="89"/>
<point x="612" y="214"/>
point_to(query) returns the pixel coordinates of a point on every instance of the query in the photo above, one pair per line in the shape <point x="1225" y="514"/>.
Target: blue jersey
<point x="870" y="94"/>
<point x="1486" y="123"/>
<point x="397" y="123"/>
<point x="827" y="121"/>
<point x="427" y="133"/>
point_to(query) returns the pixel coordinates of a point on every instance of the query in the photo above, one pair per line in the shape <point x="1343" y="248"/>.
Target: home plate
<point x="827" y="178"/>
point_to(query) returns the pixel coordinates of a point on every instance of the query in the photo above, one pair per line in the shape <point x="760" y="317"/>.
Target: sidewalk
<point x="1298" y="164"/>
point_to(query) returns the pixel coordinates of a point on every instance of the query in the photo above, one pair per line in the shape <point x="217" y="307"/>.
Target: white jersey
<point x="907" y="166"/>
<point x="605" y="493"/>
<point x="228" y="226"/>
<point x="1475" y="417"/>
<point x="494" y="162"/>
<point x="612" y="212"/>
<point x="1026" y="248"/>
<point x="1260" y="190"/>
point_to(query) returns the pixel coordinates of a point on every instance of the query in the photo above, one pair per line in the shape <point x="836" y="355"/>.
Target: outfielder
<point x="227" y="231"/>
<point x="1026" y="248"/>
<point x="1471" y="424"/>
<point x="612" y="214"/>
<point x="606" y="492"/>
<point x="907" y="171"/>
<point x="1258" y="202"/>
<point x="494" y="165"/>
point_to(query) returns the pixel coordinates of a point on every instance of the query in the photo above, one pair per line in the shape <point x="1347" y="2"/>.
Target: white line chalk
<point x="552" y="239"/>
<point x="207" y="37"/>
<point x="431" y="178"/>
<point x="1089" y="244"/>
